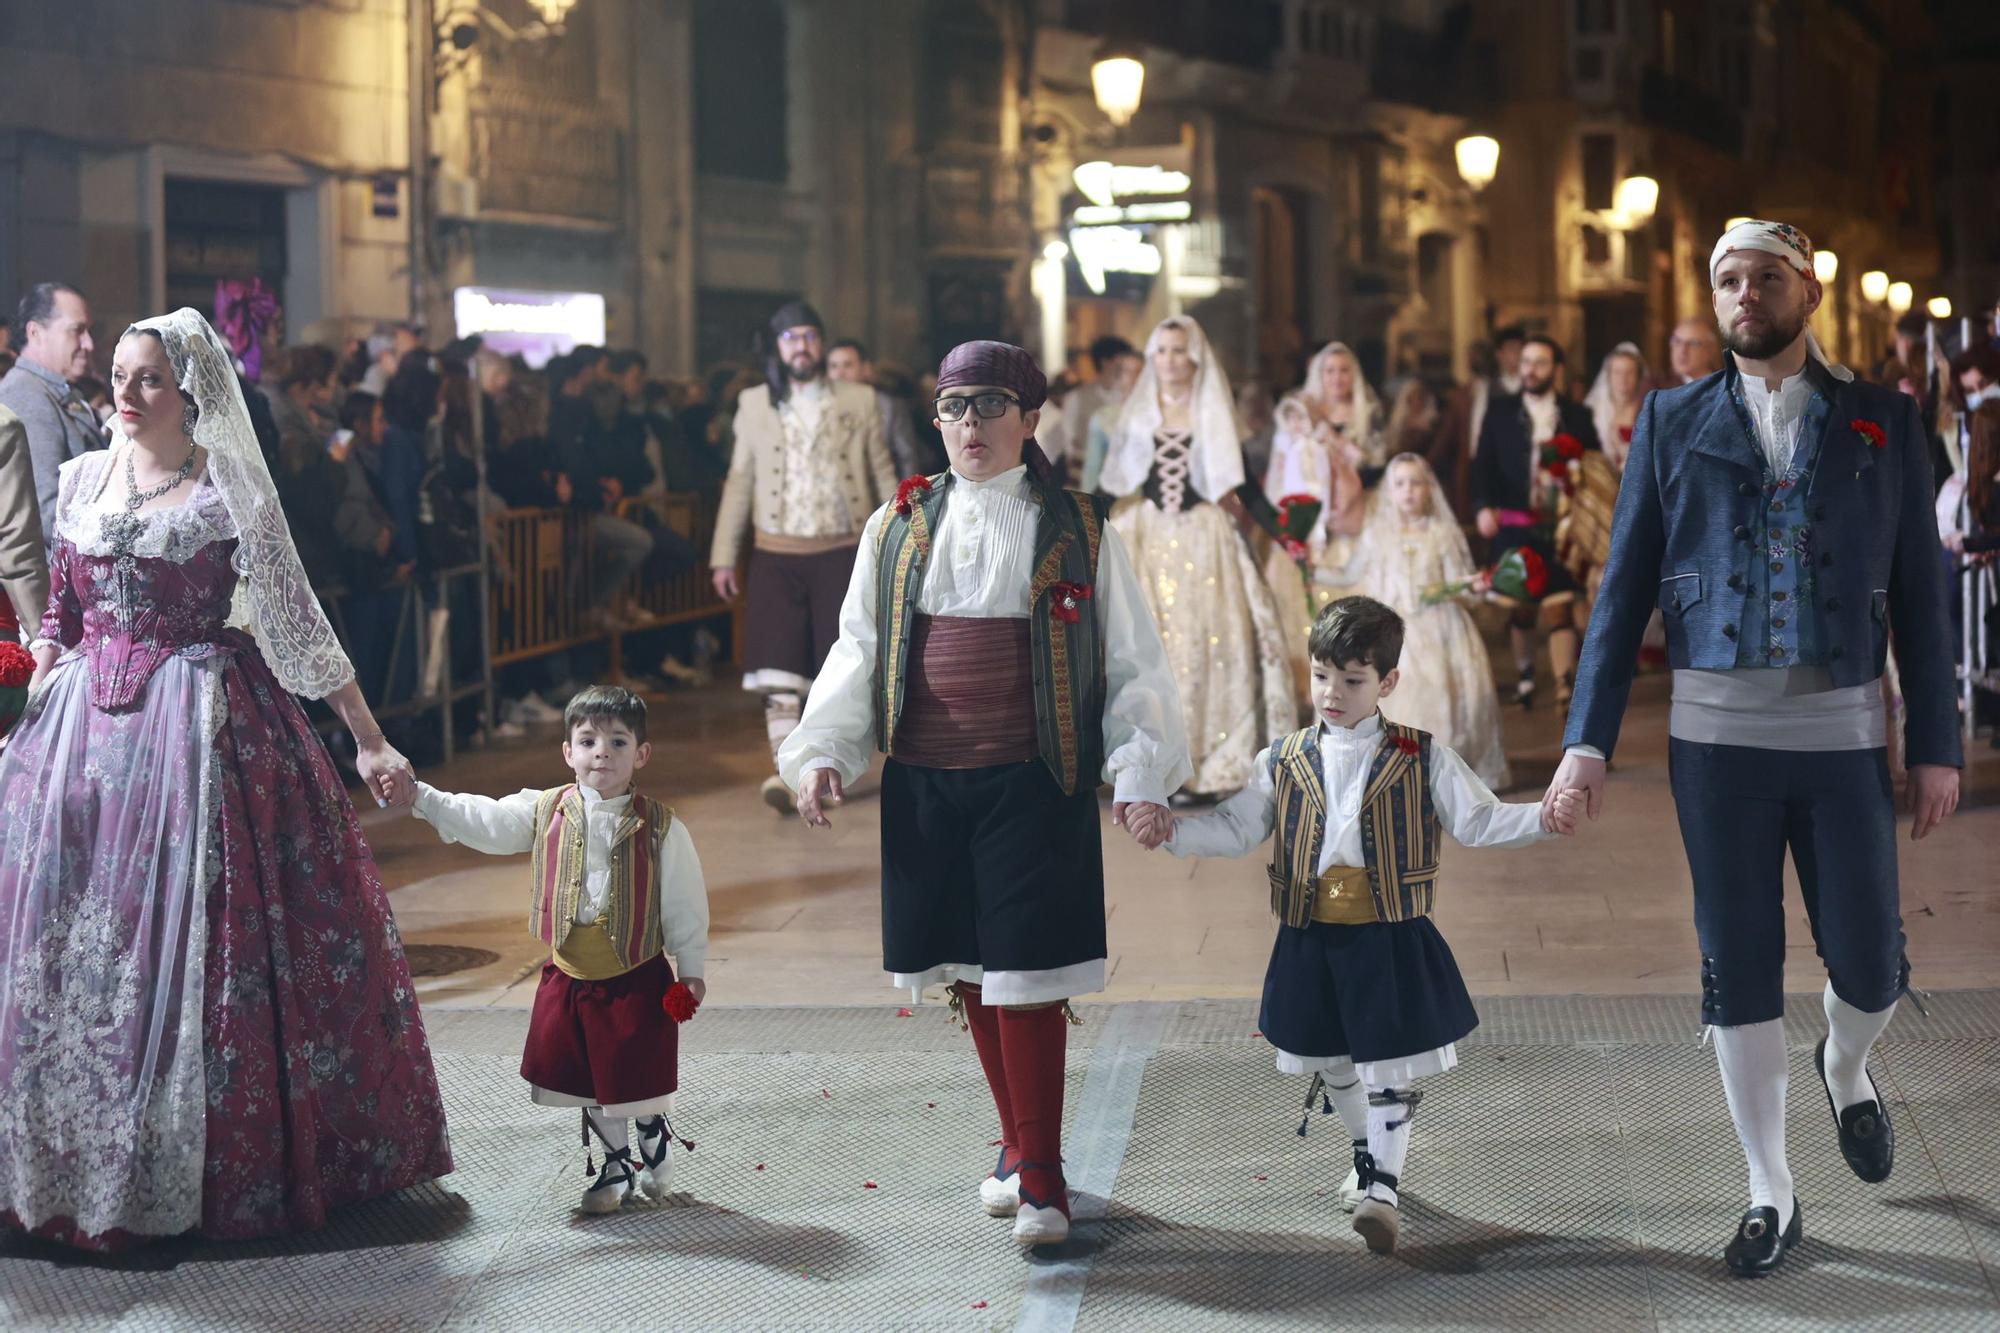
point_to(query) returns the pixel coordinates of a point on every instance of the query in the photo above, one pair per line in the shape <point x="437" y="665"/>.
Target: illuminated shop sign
<point x="537" y="325"/>
<point x="1112" y="232"/>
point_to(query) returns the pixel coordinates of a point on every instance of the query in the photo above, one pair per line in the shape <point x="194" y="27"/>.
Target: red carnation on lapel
<point x="1063" y="600"/>
<point x="1869" y="431"/>
<point x="906" y="493"/>
<point x="1407" y="744"/>
<point x="679" y="1002"/>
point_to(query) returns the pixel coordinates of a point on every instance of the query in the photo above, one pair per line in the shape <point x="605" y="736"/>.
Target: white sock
<point x="610" y="1128"/>
<point x="1350" y="1099"/>
<point x="1754" y="1070"/>
<point x="1389" y="1111"/>
<point x="1850" y="1034"/>
<point x="781" y="717"/>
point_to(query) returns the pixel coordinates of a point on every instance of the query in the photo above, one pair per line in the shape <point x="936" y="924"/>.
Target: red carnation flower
<point x="907" y="491"/>
<point x="1869" y="431"/>
<point x="17" y="666"/>
<point x="1406" y="744"/>
<point x="1064" y="599"/>
<point x="1536" y="571"/>
<point x="1567" y="446"/>
<point x="679" y="1002"/>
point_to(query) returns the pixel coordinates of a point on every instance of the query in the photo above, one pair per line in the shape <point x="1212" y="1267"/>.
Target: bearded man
<point x="811" y="463"/>
<point x="1779" y="513"/>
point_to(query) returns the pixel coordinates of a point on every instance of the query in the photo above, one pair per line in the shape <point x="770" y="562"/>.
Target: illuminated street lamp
<point x="1900" y="297"/>
<point x="1118" y="79"/>
<point x="1940" y="307"/>
<point x="1825" y="264"/>
<point x="1635" y="200"/>
<point x="1875" y="285"/>
<point x="1478" y="159"/>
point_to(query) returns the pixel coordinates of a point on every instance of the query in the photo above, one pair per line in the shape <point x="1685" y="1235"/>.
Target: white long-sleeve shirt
<point x="505" y="826"/>
<point x="1467" y="809"/>
<point x="981" y="564"/>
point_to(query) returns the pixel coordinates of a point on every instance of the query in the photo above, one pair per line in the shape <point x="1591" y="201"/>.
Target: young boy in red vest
<point x="1362" y="991"/>
<point x="616" y="887"/>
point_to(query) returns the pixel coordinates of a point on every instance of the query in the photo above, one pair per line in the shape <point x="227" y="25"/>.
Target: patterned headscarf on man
<point x="1791" y="246"/>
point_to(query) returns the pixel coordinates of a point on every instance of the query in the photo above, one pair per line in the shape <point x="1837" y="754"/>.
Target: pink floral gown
<point x="206" y="1019"/>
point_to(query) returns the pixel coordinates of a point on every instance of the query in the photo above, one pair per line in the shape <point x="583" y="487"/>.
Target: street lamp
<point x="1635" y="200"/>
<point x="553" y="12"/>
<point x="1478" y="160"/>
<point x="1900" y="297"/>
<point x="1940" y="307"/>
<point x="1118" y="79"/>
<point x="1875" y="285"/>
<point x="1825" y="264"/>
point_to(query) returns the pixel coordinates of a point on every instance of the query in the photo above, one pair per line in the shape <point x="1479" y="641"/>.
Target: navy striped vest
<point x="1399" y="825"/>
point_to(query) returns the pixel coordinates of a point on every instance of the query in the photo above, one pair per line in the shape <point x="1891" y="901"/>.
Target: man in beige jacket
<point x="24" y="569"/>
<point x="811" y="464"/>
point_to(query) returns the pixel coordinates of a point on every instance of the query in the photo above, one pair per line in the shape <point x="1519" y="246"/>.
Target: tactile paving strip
<point x="1577" y="1171"/>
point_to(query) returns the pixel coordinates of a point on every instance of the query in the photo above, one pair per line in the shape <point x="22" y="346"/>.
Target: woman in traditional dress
<point x="1585" y="538"/>
<point x="1174" y="452"/>
<point x="206" y="1020"/>
<point x="1330" y="447"/>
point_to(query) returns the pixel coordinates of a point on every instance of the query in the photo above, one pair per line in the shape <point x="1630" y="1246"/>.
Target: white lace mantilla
<point x="274" y="597"/>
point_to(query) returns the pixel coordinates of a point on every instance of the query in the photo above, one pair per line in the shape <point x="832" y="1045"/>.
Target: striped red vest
<point x="632" y="915"/>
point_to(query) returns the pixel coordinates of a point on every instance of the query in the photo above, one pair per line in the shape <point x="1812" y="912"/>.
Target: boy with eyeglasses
<point x="995" y="644"/>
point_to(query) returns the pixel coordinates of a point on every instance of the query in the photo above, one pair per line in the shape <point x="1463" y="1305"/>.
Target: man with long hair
<point x="811" y="464"/>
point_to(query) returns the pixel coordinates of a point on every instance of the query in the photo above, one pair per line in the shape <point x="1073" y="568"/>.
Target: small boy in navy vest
<point x="616" y="886"/>
<point x="1362" y="991"/>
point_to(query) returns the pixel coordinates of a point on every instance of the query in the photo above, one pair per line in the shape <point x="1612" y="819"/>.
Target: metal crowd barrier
<point x="1979" y="667"/>
<point x="542" y="565"/>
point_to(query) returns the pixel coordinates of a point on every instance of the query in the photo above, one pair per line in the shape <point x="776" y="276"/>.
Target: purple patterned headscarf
<point x="1003" y="366"/>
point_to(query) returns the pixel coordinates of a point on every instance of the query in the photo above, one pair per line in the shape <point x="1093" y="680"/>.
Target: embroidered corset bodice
<point x="130" y="591"/>
<point x="1170" y="483"/>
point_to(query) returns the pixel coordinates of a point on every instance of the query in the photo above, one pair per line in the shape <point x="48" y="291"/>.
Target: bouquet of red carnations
<point x="1298" y="515"/>
<point x="17" y="667"/>
<point x="1521" y="574"/>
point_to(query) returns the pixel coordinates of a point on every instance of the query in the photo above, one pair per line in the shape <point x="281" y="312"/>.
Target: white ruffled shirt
<point x="1467" y="808"/>
<point x="981" y="565"/>
<point x="1777" y="416"/>
<point x="506" y="827"/>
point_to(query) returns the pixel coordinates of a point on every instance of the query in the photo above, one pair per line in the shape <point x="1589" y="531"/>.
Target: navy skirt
<point x="1381" y="991"/>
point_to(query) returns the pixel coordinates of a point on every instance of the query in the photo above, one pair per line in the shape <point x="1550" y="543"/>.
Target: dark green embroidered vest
<point x="1068" y="657"/>
<point x="1399" y="825"/>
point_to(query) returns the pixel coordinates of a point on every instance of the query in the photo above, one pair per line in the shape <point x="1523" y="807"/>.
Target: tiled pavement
<point x="1577" y="1171"/>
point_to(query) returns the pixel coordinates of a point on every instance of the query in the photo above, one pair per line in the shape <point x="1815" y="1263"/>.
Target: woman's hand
<point x="389" y="777"/>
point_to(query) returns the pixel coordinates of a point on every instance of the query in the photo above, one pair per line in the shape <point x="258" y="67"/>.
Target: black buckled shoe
<point x="1867" y="1139"/>
<point x="1759" y="1247"/>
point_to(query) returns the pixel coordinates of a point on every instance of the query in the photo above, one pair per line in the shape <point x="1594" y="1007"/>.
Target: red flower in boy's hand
<point x="1869" y="431"/>
<point x="906" y="493"/>
<point x="679" y="1002"/>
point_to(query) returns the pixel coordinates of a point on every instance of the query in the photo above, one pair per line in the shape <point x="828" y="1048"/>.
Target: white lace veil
<point x="1216" y="451"/>
<point x="1383" y="532"/>
<point x="1603" y="411"/>
<point x="273" y="595"/>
